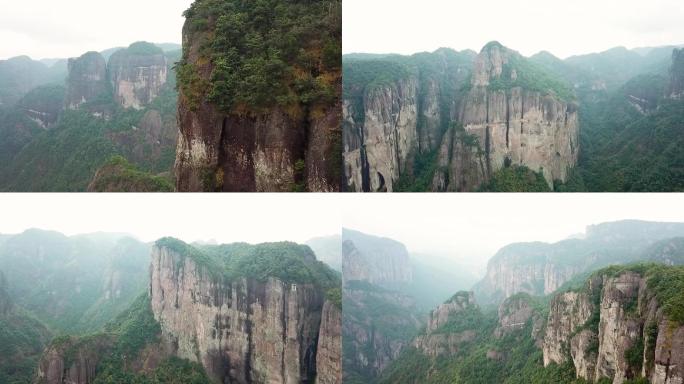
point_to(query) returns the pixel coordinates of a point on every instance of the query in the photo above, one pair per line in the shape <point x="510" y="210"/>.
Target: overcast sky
<point x="561" y="27"/>
<point x="475" y="226"/>
<point x="69" y="28"/>
<point x="227" y="218"/>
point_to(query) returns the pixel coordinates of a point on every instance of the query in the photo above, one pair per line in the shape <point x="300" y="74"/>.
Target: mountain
<point x="443" y="121"/>
<point x="541" y="268"/>
<point x="22" y="339"/>
<point x="223" y="313"/>
<point x="20" y="74"/>
<point x="73" y="284"/>
<point x="620" y="325"/>
<point x="328" y="249"/>
<point x="259" y="108"/>
<point x="124" y="107"/>
<point x="387" y="294"/>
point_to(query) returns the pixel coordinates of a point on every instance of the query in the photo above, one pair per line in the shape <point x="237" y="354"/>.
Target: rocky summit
<point x="470" y="115"/>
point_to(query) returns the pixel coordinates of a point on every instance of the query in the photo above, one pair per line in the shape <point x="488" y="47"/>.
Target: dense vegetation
<point x="22" y="339"/>
<point x="118" y="175"/>
<point x="514" y="357"/>
<point x="68" y="287"/>
<point x="66" y="156"/>
<point x="288" y="262"/>
<point x="263" y="53"/>
<point x="516" y="179"/>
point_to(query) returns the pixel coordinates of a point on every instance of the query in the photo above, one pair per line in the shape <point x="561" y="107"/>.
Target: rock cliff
<point x="87" y="80"/>
<point x="469" y="118"/>
<point x="616" y="327"/>
<point x="243" y="330"/>
<point x="72" y="361"/>
<point x="137" y="74"/>
<point x="329" y="352"/>
<point x="438" y="341"/>
<point x="541" y="268"/>
<point x="284" y="138"/>
<point x="676" y="88"/>
<point x="376" y="260"/>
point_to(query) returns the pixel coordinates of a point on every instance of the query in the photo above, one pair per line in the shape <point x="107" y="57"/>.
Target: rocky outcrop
<point x="87" y="80"/>
<point x="615" y="328"/>
<point x="524" y="268"/>
<point x="478" y="117"/>
<point x="515" y="313"/>
<point x="676" y="87"/>
<point x="329" y="352"/>
<point x="137" y="74"/>
<point x="241" y="331"/>
<point x="380" y="261"/>
<point x="71" y="361"/>
<point x="541" y="268"/>
<point x="279" y="147"/>
<point x="377" y="150"/>
<point x="515" y="125"/>
<point x="435" y="342"/>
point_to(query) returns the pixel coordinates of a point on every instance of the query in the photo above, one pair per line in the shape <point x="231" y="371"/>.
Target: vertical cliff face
<point x="329" y="352"/>
<point x="438" y="342"/>
<point x="525" y="268"/>
<point x="676" y="88"/>
<point x="472" y="119"/>
<point x="137" y="74"/>
<point x="68" y="361"/>
<point x="615" y="328"/>
<point x="377" y="149"/>
<point x="278" y="130"/>
<point x="376" y="260"/>
<point x="513" y="122"/>
<point x="87" y="80"/>
<point x="242" y="331"/>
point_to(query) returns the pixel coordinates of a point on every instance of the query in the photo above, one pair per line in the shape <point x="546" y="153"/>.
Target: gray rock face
<point x="72" y="362"/>
<point x="603" y="323"/>
<point x="524" y="268"/>
<point x="377" y="151"/>
<point x="244" y="331"/>
<point x="137" y="79"/>
<point x="514" y="315"/>
<point x="380" y="261"/>
<point x="676" y="89"/>
<point x="87" y="80"/>
<point x="5" y="301"/>
<point x="329" y="352"/>
<point x="434" y="343"/>
<point x="494" y="127"/>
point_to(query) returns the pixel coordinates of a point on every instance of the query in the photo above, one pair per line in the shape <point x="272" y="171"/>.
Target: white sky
<point x="227" y="218"/>
<point x="475" y="226"/>
<point x="68" y="28"/>
<point x="562" y="27"/>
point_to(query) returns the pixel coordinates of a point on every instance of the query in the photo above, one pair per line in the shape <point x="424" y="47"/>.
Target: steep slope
<point x="628" y="326"/>
<point x="19" y="75"/>
<point x="97" y="123"/>
<point x="22" y="339"/>
<point x="255" y="323"/>
<point x="541" y="268"/>
<point x="74" y="284"/>
<point x="137" y="74"/>
<point x="259" y="106"/>
<point x="215" y="314"/>
<point x="450" y="120"/>
<point x="621" y="325"/>
<point x="378" y="320"/>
